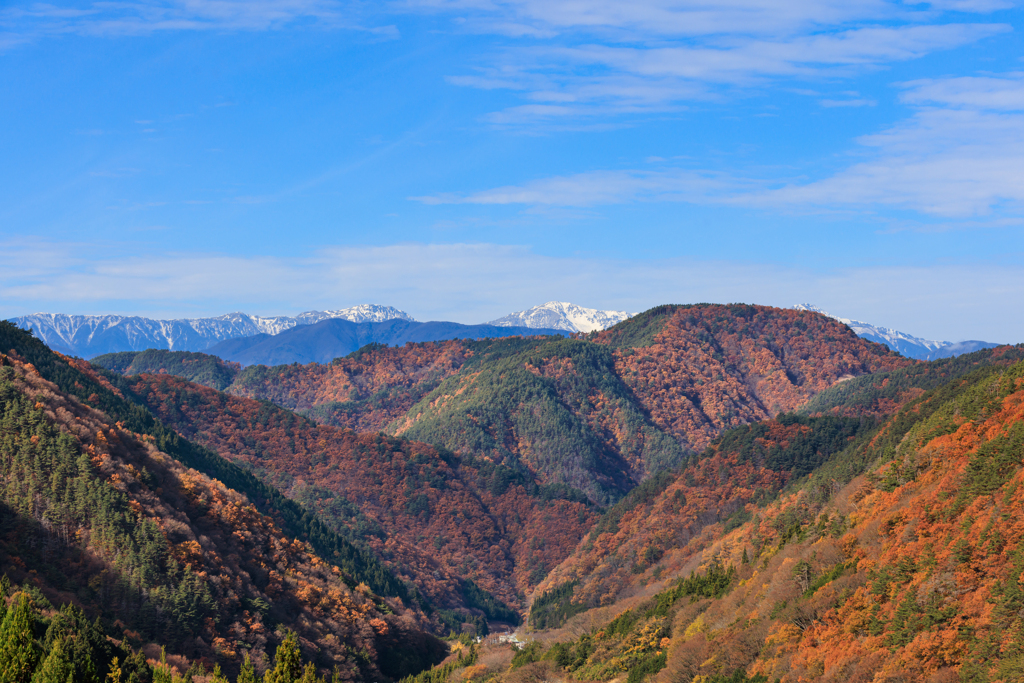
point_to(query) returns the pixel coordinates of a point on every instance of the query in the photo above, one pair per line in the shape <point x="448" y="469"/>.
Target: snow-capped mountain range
<point x="89" y="336"/>
<point x="908" y="345"/>
<point x="92" y="335"/>
<point x="560" y="315"/>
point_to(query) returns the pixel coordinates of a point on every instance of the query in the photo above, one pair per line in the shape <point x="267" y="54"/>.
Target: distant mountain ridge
<point x="236" y="336"/>
<point x="908" y="345"/>
<point x="326" y="340"/>
<point x="90" y="336"/>
<point x="561" y="315"/>
<point x="93" y="335"/>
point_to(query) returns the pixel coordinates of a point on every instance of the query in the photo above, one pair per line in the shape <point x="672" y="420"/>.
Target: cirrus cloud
<point x="960" y="155"/>
<point x="610" y="59"/>
<point x="25" y="22"/>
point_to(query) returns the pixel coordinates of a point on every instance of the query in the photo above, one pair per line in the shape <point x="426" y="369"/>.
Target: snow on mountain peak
<point x="91" y="335"/>
<point x="908" y="345"/>
<point x="362" y="313"/>
<point x="562" y="315"/>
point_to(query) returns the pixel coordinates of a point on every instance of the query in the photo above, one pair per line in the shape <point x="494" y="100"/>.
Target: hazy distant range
<point x="317" y="336"/>
<point x="330" y="339"/>
<point x="321" y="336"/>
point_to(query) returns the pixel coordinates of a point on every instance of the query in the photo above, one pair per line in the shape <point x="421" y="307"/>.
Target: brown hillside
<point x="913" y="571"/>
<point x="712" y="367"/>
<point x="434" y="518"/>
<point x="94" y="514"/>
<point x="598" y="415"/>
<point x="364" y="392"/>
<point x="603" y="414"/>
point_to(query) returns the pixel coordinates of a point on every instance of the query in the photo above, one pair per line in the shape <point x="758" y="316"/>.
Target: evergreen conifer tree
<point x="309" y="675"/>
<point x="248" y="672"/>
<point x="5" y="590"/>
<point x="57" y="667"/>
<point x="19" y="653"/>
<point x="287" y="662"/>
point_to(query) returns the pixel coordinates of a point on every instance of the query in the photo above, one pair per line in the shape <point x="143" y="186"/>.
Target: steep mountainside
<point x="330" y="339"/>
<point x="554" y="409"/>
<point x="598" y="414"/>
<point x="436" y="518"/>
<point x="96" y="513"/>
<point x="595" y="414"/>
<point x="701" y="369"/>
<point x="908" y="345"/>
<point x="92" y="335"/>
<point x="560" y="315"/>
<point x="900" y="558"/>
<point x="200" y="368"/>
<point x="882" y="393"/>
<point x="365" y="390"/>
<point x="747" y="466"/>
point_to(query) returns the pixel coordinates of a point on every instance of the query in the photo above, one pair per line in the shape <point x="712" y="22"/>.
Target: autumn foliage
<point x="95" y="514"/>
<point x="436" y="518"/>
<point x="912" y="570"/>
<point x="712" y="367"/>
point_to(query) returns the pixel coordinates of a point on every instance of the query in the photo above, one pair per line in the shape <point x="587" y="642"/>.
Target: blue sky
<point x="463" y="159"/>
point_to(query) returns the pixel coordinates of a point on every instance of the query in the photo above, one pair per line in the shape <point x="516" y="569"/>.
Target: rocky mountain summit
<point x="561" y="315"/>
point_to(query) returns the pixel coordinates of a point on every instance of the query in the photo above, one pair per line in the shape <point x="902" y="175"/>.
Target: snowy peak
<point x="908" y="345"/>
<point x="92" y="335"/>
<point x="363" y="313"/>
<point x="560" y="315"/>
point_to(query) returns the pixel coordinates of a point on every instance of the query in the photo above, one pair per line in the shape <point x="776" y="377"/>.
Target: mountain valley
<point x="697" y="493"/>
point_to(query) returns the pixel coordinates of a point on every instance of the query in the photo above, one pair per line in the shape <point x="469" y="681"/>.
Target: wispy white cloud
<point x="473" y="283"/>
<point x="848" y="103"/>
<point x="601" y="187"/>
<point x="25" y="22"/>
<point x="608" y="58"/>
<point x="1000" y="93"/>
<point x="665" y="18"/>
<point x="960" y="155"/>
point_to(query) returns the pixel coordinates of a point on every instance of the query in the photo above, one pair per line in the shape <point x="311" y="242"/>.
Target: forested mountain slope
<point x="748" y="466"/>
<point x="365" y="390"/>
<point x="899" y="558"/>
<point x="556" y="409"/>
<point x="200" y="368"/>
<point x="438" y="519"/>
<point x="597" y="414"/>
<point x="701" y="369"/>
<point x="882" y="393"/>
<point x="94" y="513"/>
<point x="751" y="464"/>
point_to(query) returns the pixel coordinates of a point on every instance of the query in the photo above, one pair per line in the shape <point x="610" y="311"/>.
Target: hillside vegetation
<point x="200" y="368"/>
<point x="907" y="568"/>
<point x="94" y="514"/>
<point x="601" y="415"/>
<point x="555" y="409"/>
<point x="698" y="370"/>
<point x="364" y="391"/>
<point x="436" y="518"/>
<point x="702" y="494"/>
<point x="882" y="393"/>
<point x="598" y="414"/>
